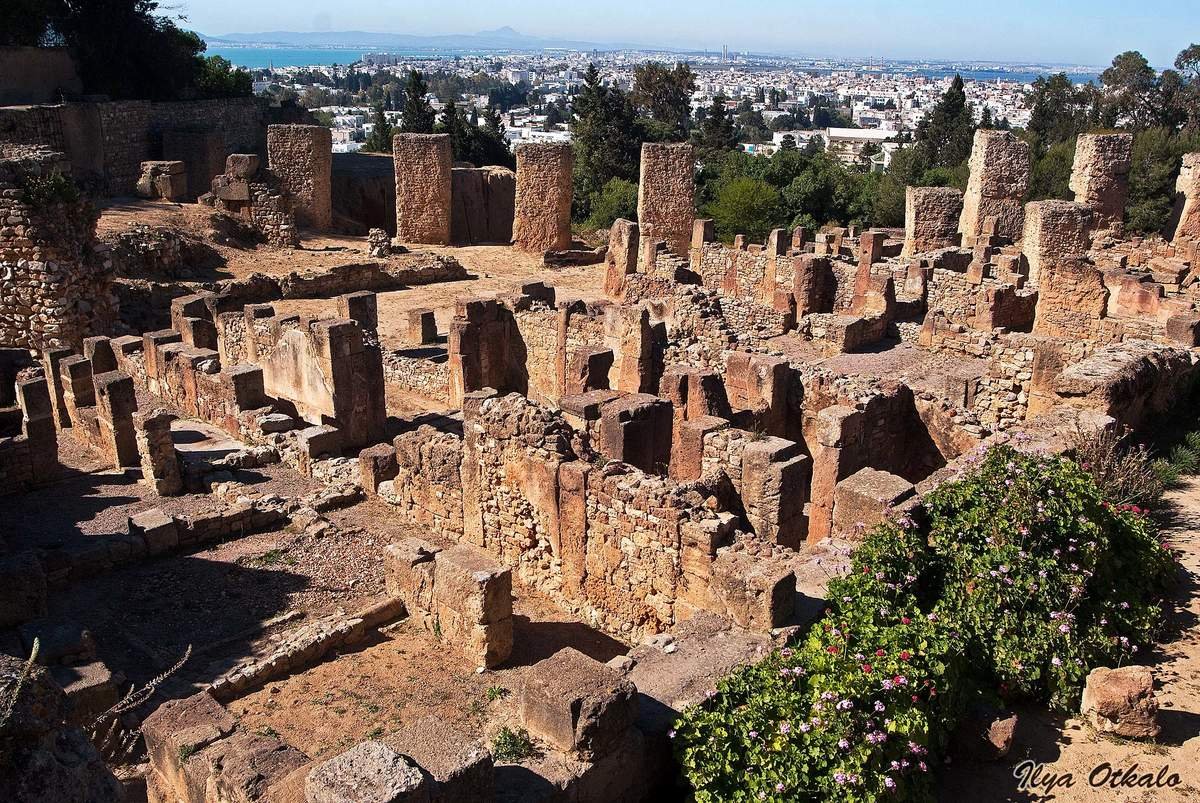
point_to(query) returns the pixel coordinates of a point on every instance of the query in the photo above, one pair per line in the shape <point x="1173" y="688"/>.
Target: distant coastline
<point x="261" y="57"/>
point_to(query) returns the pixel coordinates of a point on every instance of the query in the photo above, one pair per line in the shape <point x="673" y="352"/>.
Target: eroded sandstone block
<point x="1121" y="702"/>
<point x="1054" y="232"/>
<point x="369" y="772"/>
<point x="863" y="500"/>
<point x="1000" y="169"/>
<point x="1187" y="200"/>
<point x="931" y="219"/>
<point x="1100" y="177"/>
<point x="577" y="704"/>
<point x="301" y="157"/>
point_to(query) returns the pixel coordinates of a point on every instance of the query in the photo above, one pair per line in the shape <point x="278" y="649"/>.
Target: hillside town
<point x="877" y="105"/>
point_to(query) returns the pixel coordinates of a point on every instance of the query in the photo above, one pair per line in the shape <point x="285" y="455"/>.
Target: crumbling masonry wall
<point x="55" y="281"/>
<point x="301" y="157"/>
<point x="1000" y="168"/>
<point x="423" y="163"/>
<point x="542" y="220"/>
<point x="666" y="189"/>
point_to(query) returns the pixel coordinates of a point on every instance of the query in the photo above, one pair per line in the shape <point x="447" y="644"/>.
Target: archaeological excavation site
<point x="335" y="478"/>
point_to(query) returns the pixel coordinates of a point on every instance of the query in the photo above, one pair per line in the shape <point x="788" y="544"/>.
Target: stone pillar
<point x="423" y="163"/>
<point x="1054" y="231"/>
<point x="542" y="221"/>
<point x="1187" y="201"/>
<point x="301" y="157"/>
<point x="160" y="464"/>
<point x="1000" y="167"/>
<point x="622" y="257"/>
<point x="930" y="219"/>
<point x="78" y="389"/>
<point x="836" y="428"/>
<point x="362" y="307"/>
<point x="38" y="427"/>
<point x="775" y="485"/>
<point x="666" y="194"/>
<point x="50" y="366"/>
<point x="422" y="327"/>
<point x="1100" y="177"/>
<point x="116" y="402"/>
<point x="636" y="429"/>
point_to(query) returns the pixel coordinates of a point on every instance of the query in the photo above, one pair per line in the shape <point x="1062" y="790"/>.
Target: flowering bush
<point x="848" y="714"/>
<point x="1021" y="579"/>
<point x="1046" y="578"/>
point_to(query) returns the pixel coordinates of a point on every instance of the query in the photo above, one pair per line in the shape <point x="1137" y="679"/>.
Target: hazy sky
<point x="1075" y="31"/>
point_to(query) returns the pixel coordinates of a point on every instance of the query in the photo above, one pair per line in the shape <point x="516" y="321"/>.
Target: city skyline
<point x="1024" y="31"/>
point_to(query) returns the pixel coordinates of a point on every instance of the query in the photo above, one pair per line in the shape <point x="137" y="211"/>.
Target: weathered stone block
<point x="369" y="772"/>
<point x="577" y="703"/>
<point x="1121" y="702"/>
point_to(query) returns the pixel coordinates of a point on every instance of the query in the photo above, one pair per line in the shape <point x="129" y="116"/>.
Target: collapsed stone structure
<point x="664" y="466"/>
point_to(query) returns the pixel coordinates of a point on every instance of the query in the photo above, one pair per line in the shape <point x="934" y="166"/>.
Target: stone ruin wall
<point x="106" y="142"/>
<point x="55" y="278"/>
<point x="542" y="216"/>
<point x="666" y="190"/>
<point x="1054" y="231"/>
<point x="301" y="157"/>
<point x="423" y="205"/>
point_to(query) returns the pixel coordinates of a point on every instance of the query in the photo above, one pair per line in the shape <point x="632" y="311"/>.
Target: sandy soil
<point x="1070" y="747"/>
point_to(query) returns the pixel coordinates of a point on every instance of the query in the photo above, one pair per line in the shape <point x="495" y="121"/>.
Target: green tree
<point x="1131" y="85"/>
<point x="717" y="132"/>
<point x="380" y="140"/>
<point x="1058" y="111"/>
<point x="788" y="142"/>
<point x="1156" y="157"/>
<point x="1051" y="173"/>
<point x="606" y="139"/>
<point x="745" y="206"/>
<point x="453" y="123"/>
<point x="945" y="134"/>
<point x="616" y="199"/>
<point x="123" y="48"/>
<point x="417" y="116"/>
<point x="664" y="95"/>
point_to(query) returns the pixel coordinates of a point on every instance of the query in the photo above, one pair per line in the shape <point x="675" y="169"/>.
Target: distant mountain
<point x="500" y="39"/>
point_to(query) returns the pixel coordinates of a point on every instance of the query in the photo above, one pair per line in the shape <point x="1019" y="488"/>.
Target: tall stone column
<point x="423" y="164"/>
<point x="1100" y="177"/>
<point x="1054" y="232"/>
<point x="1187" y="201"/>
<point x="1000" y="167"/>
<point x="666" y="194"/>
<point x="301" y="157"/>
<point x="931" y="217"/>
<point x="543" y="208"/>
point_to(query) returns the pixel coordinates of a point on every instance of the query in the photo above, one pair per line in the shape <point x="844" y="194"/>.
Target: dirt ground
<point x="495" y="270"/>
<point x="1070" y="750"/>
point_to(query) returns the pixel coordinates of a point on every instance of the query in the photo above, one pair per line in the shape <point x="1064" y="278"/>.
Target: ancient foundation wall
<point x="301" y="158"/>
<point x="542" y="217"/>
<point x="666" y="190"/>
<point x="423" y="180"/>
